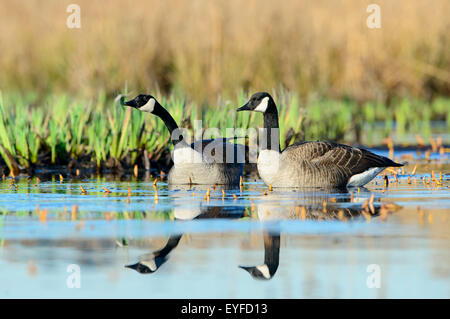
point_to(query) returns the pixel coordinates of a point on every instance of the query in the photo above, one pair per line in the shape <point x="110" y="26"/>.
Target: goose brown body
<point x="320" y="164"/>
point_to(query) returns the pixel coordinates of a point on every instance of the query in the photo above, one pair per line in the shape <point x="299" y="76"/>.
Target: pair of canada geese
<point x="308" y="164"/>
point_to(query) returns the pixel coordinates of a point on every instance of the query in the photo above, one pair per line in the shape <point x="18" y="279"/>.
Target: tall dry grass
<point x="205" y="48"/>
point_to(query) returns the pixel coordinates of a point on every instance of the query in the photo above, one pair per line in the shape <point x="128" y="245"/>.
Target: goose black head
<point x="259" y="102"/>
<point x="141" y="268"/>
<point x="150" y="265"/>
<point x="259" y="272"/>
<point x="144" y="103"/>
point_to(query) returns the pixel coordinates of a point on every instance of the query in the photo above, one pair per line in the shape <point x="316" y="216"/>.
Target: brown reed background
<point x="209" y="48"/>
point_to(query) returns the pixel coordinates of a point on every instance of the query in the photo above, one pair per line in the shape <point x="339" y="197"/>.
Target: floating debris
<point x="108" y="216"/>
<point x="43" y="215"/>
<point x="420" y="142"/>
<point x="303" y="213"/>
<point x="371" y="207"/>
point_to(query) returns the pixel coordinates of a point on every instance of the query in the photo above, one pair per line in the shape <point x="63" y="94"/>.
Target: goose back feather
<point x="323" y="164"/>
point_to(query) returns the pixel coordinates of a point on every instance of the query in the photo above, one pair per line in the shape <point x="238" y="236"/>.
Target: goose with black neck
<point x="310" y="164"/>
<point x="203" y="162"/>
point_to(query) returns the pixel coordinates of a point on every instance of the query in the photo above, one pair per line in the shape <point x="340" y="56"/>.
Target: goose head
<point x="259" y="102"/>
<point x="144" y="103"/>
<point x="150" y="264"/>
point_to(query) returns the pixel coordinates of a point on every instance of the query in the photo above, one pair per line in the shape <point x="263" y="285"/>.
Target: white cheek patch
<point x="150" y="264"/>
<point x="262" y="107"/>
<point x="264" y="270"/>
<point x="149" y="106"/>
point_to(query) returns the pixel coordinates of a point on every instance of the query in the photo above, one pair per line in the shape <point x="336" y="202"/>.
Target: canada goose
<point x="310" y="164"/>
<point x="212" y="161"/>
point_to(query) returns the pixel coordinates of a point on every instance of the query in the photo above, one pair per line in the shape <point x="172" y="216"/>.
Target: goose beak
<point x="250" y="270"/>
<point x="246" y="268"/>
<point x="131" y="103"/>
<point x="134" y="266"/>
<point x="244" y="108"/>
<point x="139" y="268"/>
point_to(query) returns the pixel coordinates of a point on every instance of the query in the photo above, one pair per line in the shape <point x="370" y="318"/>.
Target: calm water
<point x="243" y="244"/>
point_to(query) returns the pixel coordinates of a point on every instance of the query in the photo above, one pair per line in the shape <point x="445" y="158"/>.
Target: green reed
<point x="58" y="128"/>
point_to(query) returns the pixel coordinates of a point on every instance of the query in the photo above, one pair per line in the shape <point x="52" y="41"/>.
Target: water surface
<point x="247" y="242"/>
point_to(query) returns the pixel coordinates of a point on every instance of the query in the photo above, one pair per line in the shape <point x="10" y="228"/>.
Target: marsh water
<point x="58" y="239"/>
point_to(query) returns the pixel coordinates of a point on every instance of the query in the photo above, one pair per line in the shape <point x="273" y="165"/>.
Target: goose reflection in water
<point x="275" y="206"/>
<point x="310" y="205"/>
<point x="186" y="207"/>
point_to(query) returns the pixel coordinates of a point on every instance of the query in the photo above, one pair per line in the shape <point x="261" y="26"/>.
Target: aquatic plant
<point x="61" y="129"/>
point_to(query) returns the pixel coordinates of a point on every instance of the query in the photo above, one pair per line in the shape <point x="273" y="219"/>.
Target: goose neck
<point x="170" y="123"/>
<point x="271" y="134"/>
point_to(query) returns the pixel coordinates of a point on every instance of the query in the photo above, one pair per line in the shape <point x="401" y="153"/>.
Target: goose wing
<point x="330" y="154"/>
<point x="307" y="150"/>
